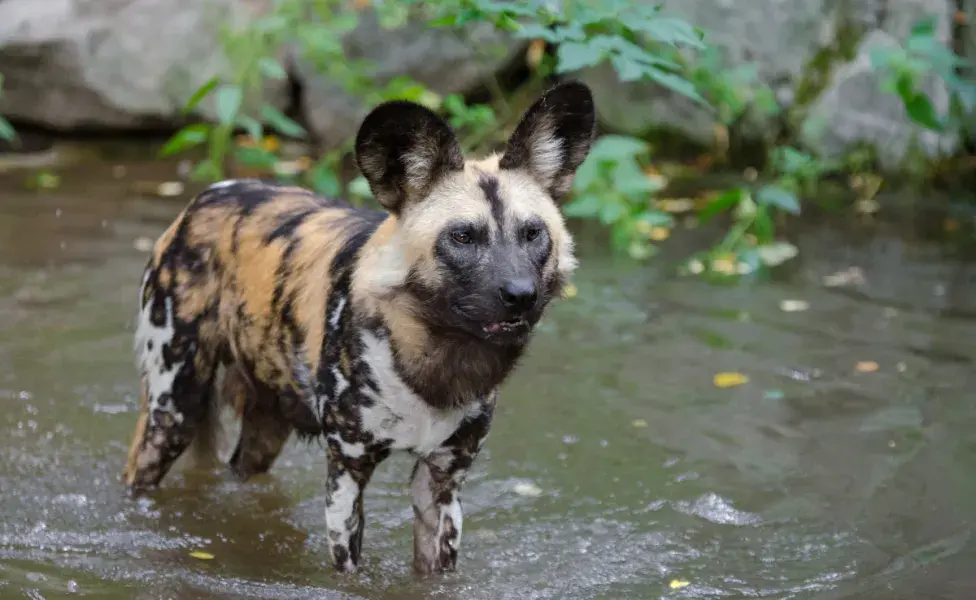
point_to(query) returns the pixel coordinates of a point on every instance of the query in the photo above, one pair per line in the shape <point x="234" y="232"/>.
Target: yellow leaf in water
<point x="202" y="555"/>
<point x="677" y="584"/>
<point x="676" y="205"/>
<point x="793" y="305"/>
<point x="570" y="291"/>
<point x="659" y="233"/>
<point x="725" y="380"/>
<point x="867" y="366"/>
<point x="639" y="423"/>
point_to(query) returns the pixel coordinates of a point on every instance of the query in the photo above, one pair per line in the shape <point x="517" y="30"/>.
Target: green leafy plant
<point x="920" y="56"/>
<point x="627" y="34"/>
<point x="7" y="132"/>
<point x="612" y="187"/>
<point x="750" y="244"/>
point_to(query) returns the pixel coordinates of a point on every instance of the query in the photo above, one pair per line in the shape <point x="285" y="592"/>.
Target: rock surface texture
<point x="812" y="53"/>
<point x="132" y="64"/>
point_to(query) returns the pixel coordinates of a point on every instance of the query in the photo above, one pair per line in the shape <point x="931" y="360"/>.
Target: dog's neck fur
<point x="446" y="369"/>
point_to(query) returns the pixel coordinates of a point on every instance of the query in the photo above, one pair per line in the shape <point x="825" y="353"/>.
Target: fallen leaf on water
<point x="202" y="555"/>
<point x="570" y="291"/>
<point x="142" y="244"/>
<point x="639" y="423"/>
<point x="793" y="305"/>
<point x="676" y="205"/>
<point x="776" y="253"/>
<point x="677" y="584"/>
<point x="866" y="366"/>
<point x="659" y="233"/>
<point x="867" y="206"/>
<point x="725" y="380"/>
<point x="724" y="264"/>
<point x="169" y="189"/>
<point x="843" y="277"/>
<point x="527" y="489"/>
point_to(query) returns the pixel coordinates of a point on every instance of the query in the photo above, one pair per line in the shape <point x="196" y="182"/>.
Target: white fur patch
<point x="337" y="514"/>
<point x="400" y="415"/>
<point x="545" y="155"/>
<point x="149" y="342"/>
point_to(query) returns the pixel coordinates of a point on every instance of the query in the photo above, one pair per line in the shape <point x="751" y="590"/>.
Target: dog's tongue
<point x="493" y="327"/>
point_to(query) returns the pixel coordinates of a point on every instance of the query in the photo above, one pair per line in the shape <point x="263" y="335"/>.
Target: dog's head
<point x="477" y="246"/>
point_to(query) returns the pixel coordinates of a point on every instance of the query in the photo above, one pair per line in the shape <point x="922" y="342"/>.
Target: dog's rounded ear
<point x="402" y="149"/>
<point x="554" y="137"/>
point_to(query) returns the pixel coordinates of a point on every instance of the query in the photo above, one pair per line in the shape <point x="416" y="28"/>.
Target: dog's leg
<point x="177" y="382"/>
<point x="436" y="489"/>
<point x="264" y="431"/>
<point x="350" y="467"/>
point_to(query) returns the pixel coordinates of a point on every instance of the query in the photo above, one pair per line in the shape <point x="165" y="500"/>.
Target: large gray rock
<point x="130" y="64"/>
<point x="798" y="47"/>
<point x="110" y="63"/>
<point x="854" y="109"/>
<point x="443" y="60"/>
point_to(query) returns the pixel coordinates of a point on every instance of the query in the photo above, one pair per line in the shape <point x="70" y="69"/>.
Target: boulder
<point x="132" y="64"/>
<point x="853" y="109"/>
<point x="111" y="64"/>
<point x="799" y="48"/>
<point x="443" y="60"/>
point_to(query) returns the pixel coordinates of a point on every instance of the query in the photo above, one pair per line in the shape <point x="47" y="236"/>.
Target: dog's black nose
<point x="518" y="294"/>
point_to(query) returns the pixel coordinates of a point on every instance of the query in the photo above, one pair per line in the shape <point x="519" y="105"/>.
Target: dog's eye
<point x="532" y="233"/>
<point x="461" y="237"/>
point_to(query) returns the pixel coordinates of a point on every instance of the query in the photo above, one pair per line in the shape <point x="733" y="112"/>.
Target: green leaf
<point x="611" y="212"/>
<point x="627" y="69"/>
<point x="762" y="226"/>
<point x="206" y="170"/>
<point x="188" y="137"/>
<point x="924" y="27"/>
<point x="656" y="218"/>
<point x="535" y="31"/>
<point x="920" y="110"/>
<point x="583" y="206"/>
<point x="253" y="127"/>
<point x="256" y="157"/>
<point x="771" y="195"/>
<point x="7" y="132"/>
<point x="574" y="56"/>
<point x="444" y="21"/>
<point x="587" y="174"/>
<point x="200" y="94"/>
<point x="613" y="147"/>
<point x="677" y="84"/>
<point x="360" y="187"/>
<point x="723" y="202"/>
<point x="280" y="122"/>
<point x="325" y="181"/>
<point x="669" y="30"/>
<point x="271" y="68"/>
<point x="228" y="101"/>
<point x="629" y="180"/>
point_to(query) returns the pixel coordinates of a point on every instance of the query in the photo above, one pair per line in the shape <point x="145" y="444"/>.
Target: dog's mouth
<point x="509" y="326"/>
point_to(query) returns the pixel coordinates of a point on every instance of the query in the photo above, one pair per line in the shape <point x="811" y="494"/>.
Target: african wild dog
<point x="379" y="331"/>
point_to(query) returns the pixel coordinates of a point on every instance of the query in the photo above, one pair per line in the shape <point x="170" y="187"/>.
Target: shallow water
<point x="813" y="480"/>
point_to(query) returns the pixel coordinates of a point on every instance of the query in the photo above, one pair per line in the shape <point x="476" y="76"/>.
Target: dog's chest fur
<point x="363" y="401"/>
